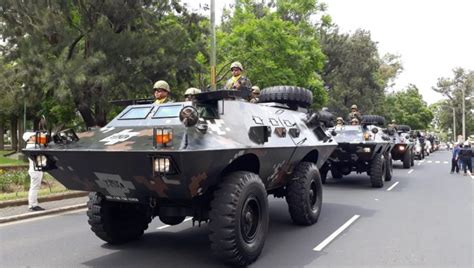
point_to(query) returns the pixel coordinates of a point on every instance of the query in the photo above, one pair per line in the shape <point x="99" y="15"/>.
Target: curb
<point x="52" y="197"/>
<point x="41" y="213"/>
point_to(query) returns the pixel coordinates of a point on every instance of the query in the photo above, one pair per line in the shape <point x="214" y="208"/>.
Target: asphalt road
<point x="423" y="217"/>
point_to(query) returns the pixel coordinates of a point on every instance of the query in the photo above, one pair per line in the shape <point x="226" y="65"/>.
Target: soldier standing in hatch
<point x="355" y="114"/>
<point x="254" y="97"/>
<point x="238" y="81"/>
<point x="189" y="94"/>
<point x="162" y="89"/>
<point x="393" y="124"/>
<point x="339" y="122"/>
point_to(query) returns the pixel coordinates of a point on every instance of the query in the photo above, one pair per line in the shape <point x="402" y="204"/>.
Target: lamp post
<point x="463" y="114"/>
<point x="23" y="89"/>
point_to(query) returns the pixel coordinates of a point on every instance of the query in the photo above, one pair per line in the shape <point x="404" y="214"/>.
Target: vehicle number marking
<point x="119" y="137"/>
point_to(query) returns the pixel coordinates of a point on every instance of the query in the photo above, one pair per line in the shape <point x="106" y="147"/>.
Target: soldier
<point x="188" y="95"/>
<point x="354" y="121"/>
<point x="354" y="113"/>
<point x="162" y="89"/>
<point x="254" y="97"/>
<point x="393" y="124"/>
<point x="339" y="122"/>
<point x="238" y="81"/>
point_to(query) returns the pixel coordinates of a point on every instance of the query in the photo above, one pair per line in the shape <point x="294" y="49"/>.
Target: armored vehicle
<point x="214" y="159"/>
<point x="361" y="148"/>
<point x="404" y="148"/>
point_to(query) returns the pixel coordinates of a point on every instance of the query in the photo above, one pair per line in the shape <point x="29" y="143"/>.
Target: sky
<point x="432" y="36"/>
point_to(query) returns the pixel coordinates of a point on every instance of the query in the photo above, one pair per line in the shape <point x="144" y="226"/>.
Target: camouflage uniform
<point x="355" y="114"/>
<point x="242" y="80"/>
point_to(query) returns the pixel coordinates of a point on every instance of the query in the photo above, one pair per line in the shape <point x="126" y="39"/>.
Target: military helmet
<point x="354" y="106"/>
<point x="354" y="120"/>
<point x="161" y="84"/>
<point x="393" y="121"/>
<point x="236" y="64"/>
<point x="256" y="89"/>
<point x="192" y="91"/>
<point x="339" y="119"/>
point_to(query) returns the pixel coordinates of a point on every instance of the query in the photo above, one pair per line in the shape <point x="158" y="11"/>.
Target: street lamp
<point x="23" y="89"/>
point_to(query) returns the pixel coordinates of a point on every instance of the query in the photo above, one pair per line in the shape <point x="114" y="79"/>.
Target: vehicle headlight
<point x="161" y="165"/>
<point x="188" y="116"/>
<point x="402" y="148"/>
<point x="366" y="150"/>
<point x="41" y="161"/>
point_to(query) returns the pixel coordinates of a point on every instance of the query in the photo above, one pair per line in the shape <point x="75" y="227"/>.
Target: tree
<point x="354" y="72"/>
<point x="277" y="46"/>
<point x="408" y="108"/>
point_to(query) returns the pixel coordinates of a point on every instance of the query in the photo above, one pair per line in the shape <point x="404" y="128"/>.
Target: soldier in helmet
<point x="162" y="89"/>
<point x="254" y="96"/>
<point x="339" y="122"/>
<point x="393" y="124"/>
<point x="354" y="121"/>
<point x="189" y="94"/>
<point x="354" y="114"/>
<point x="238" y="81"/>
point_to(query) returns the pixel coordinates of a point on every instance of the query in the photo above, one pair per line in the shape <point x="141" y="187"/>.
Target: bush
<point x="11" y="180"/>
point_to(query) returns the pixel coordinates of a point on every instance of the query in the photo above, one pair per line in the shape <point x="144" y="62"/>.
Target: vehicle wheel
<point x="377" y="171"/>
<point x="388" y="167"/>
<point x="290" y="95"/>
<point x="172" y="220"/>
<point x="239" y="218"/>
<point x="407" y="159"/>
<point x="116" y="222"/>
<point x="305" y="194"/>
<point x="336" y="174"/>
<point x="412" y="158"/>
<point x="373" y="120"/>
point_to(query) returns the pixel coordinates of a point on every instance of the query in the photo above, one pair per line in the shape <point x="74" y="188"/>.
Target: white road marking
<point x="422" y="161"/>
<point x="429" y="161"/>
<point x="410" y="171"/>
<point x="166" y="226"/>
<point x="437" y="162"/>
<point x="445" y="162"/>
<point x="419" y="164"/>
<point x="335" y="234"/>
<point x="393" y="186"/>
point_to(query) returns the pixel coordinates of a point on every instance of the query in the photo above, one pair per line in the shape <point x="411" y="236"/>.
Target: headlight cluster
<point x="402" y="148"/>
<point x="41" y="162"/>
<point x="366" y="150"/>
<point x="161" y="165"/>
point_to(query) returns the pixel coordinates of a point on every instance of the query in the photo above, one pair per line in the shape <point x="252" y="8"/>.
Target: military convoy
<point x="214" y="159"/>
<point x="404" y="148"/>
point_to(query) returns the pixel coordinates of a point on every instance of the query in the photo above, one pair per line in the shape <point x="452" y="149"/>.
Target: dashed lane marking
<point x="166" y="226"/>
<point x="422" y="161"/>
<point x="437" y="162"/>
<point x="445" y="162"/>
<point x="330" y="238"/>
<point x="410" y="171"/>
<point x="429" y="161"/>
<point x="393" y="186"/>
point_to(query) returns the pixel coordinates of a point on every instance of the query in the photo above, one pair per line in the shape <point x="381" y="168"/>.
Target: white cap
<point x="27" y="135"/>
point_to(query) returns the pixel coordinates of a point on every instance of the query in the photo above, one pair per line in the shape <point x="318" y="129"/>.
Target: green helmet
<point x="161" y="84"/>
<point x="255" y="89"/>
<point x="236" y="64"/>
<point x="192" y="91"/>
<point x="354" y="106"/>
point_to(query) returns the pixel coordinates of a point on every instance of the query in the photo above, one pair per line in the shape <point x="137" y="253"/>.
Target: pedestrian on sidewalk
<point x="466" y="158"/>
<point x="35" y="175"/>
<point x="455" y="158"/>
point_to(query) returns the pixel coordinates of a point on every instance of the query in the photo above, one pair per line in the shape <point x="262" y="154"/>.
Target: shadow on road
<point x="287" y="244"/>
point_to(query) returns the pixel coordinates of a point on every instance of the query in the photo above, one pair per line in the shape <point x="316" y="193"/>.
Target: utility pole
<point x="454" y="125"/>
<point x="463" y="114"/>
<point x="213" y="45"/>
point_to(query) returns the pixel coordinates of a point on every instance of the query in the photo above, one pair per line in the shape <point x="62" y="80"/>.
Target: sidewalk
<point x="14" y="213"/>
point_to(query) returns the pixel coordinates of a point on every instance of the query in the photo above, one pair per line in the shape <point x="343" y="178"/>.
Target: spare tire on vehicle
<point x="373" y="120"/>
<point x="293" y="96"/>
<point x="404" y="128"/>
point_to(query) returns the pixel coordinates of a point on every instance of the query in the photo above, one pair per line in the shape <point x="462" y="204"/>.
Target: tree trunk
<point x="14" y="133"/>
<point x="100" y="115"/>
<point x="21" y="142"/>
<point x="87" y="115"/>
<point x="2" y="131"/>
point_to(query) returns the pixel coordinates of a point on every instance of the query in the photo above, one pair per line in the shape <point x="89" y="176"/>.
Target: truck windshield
<point x="168" y="111"/>
<point x="136" y="113"/>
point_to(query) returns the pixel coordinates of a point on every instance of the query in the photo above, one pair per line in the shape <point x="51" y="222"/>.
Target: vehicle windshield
<point x="168" y="111"/>
<point x="136" y="113"/>
<point x="349" y="133"/>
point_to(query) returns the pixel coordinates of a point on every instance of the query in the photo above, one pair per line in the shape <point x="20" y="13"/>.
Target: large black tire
<point x="403" y="128"/>
<point x="305" y="194"/>
<point x="377" y="171"/>
<point x="290" y="95"/>
<point x="412" y="162"/>
<point x="407" y="159"/>
<point x="324" y="173"/>
<point x="239" y="218"/>
<point x="388" y="167"/>
<point x="336" y="174"/>
<point x="116" y="222"/>
<point x="373" y="120"/>
<point x="172" y="220"/>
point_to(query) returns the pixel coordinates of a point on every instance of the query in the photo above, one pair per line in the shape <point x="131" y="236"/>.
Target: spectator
<point x="466" y="158"/>
<point x="35" y="175"/>
<point x="454" y="159"/>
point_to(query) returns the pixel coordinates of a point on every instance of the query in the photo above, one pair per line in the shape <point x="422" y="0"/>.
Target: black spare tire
<point x="373" y="120"/>
<point x="404" y="128"/>
<point x="291" y="95"/>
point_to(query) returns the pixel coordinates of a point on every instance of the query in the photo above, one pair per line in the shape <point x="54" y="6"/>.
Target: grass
<point x="15" y="185"/>
<point x="5" y="161"/>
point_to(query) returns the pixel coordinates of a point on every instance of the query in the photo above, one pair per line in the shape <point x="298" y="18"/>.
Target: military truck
<point x="214" y="159"/>
<point x="361" y="148"/>
<point x="404" y="148"/>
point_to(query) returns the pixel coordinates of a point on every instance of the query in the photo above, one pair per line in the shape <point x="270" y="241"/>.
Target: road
<point x="423" y="217"/>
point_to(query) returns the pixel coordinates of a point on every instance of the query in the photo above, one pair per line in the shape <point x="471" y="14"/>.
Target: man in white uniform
<point x="35" y="176"/>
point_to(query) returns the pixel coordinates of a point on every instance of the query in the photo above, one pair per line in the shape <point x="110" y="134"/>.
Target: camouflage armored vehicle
<point x="404" y="148"/>
<point x="361" y="148"/>
<point x="214" y="159"/>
